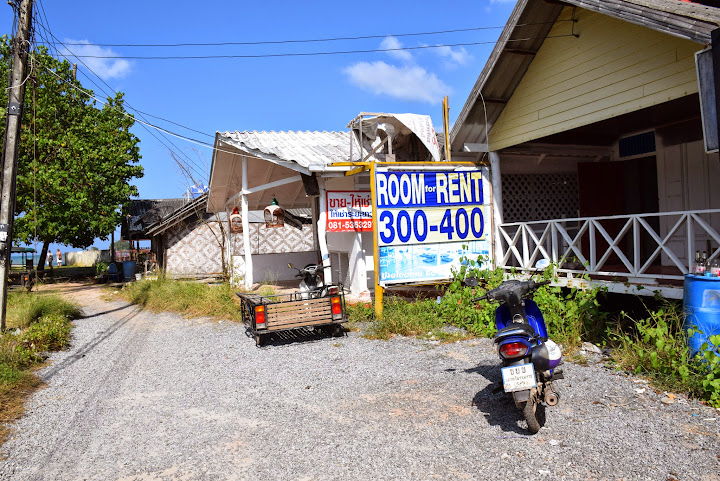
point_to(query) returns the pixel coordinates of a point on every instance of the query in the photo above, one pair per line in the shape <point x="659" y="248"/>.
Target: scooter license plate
<point x="518" y="378"/>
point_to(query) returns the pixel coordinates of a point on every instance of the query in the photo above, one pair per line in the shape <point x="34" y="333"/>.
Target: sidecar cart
<point x="282" y="312"/>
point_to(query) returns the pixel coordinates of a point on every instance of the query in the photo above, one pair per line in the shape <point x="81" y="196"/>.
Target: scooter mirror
<point x="471" y="281"/>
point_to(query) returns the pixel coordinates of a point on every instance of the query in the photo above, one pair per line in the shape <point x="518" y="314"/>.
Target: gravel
<point x="144" y="396"/>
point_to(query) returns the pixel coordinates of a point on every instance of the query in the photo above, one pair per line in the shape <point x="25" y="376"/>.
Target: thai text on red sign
<point x="349" y="211"/>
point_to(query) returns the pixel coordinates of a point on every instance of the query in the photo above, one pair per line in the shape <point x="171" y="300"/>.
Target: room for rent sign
<point x="429" y="222"/>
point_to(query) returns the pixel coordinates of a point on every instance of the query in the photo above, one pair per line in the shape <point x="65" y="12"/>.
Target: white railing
<point x="643" y="246"/>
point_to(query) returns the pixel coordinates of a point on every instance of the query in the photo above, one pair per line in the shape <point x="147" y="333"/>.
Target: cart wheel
<point x="258" y="340"/>
<point x="338" y="331"/>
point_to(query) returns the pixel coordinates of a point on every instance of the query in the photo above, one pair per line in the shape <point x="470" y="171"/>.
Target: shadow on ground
<point x="497" y="406"/>
<point x="292" y="336"/>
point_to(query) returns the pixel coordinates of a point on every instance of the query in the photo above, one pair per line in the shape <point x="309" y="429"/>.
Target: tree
<point x="76" y="161"/>
<point x="122" y="245"/>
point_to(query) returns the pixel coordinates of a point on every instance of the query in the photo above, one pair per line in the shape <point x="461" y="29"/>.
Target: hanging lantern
<point x="274" y="215"/>
<point x="236" y="221"/>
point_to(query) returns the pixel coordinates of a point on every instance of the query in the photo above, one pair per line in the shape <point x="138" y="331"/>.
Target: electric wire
<point x="182" y="137"/>
<point x="191" y="166"/>
<point x="302" y="54"/>
<point x="198" y="170"/>
<point x="148" y="125"/>
<point x="314" y="40"/>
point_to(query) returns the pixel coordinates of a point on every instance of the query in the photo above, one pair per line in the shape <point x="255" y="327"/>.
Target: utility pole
<point x="16" y="96"/>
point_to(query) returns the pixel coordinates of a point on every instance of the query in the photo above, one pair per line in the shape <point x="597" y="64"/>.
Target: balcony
<point x="637" y="254"/>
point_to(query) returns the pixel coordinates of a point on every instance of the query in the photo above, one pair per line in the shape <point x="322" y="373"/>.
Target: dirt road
<point x="143" y="396"/>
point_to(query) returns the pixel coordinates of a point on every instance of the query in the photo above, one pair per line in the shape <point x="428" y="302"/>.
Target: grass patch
<point x="24" y="309"/>
<point x="183" y="297"/>
<point x="419" y="317"/>
<point x="37" y="323"/>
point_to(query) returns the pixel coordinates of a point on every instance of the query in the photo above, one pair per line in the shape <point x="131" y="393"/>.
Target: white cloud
<point x="394" y="43"/>
<point x="106" y="68"/>
<point x="409" y="82"/>
<point x="453" y="57"/>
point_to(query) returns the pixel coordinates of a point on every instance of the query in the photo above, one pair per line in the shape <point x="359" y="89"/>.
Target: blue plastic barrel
<point x="129" y="270"/>
<point x="701" y="304"/>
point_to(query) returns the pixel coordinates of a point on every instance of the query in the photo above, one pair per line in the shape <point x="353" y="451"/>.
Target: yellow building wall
<point x="613" y="68"/>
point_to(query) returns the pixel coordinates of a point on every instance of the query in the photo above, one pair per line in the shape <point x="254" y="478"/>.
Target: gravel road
<point x="143" y="396"/>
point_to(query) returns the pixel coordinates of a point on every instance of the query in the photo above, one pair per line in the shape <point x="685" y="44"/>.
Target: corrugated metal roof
<point x="312" y="150"/>
<point x="143" y="212"/>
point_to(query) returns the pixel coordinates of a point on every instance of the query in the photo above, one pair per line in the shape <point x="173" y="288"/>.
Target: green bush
<point x="360" y="311"/>
<point x="25" y="308"/>
<point x="406" y="319"/>
<point x="571" y="315"/>
<point x="46" y="320"/>
<point x="657" y="348"/>
<point x="707" y="369"/>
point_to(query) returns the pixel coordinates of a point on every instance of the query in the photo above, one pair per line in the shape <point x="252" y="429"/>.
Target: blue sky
<point x="322" y="92"/>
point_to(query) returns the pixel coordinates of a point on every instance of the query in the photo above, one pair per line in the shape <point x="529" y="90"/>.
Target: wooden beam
<point x="520" y="51"/>
<point x="491" y="100"/>
<point x="475" y="147"/>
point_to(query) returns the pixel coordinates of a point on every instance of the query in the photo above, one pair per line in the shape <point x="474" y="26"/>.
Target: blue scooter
<point x="528" y="357"/>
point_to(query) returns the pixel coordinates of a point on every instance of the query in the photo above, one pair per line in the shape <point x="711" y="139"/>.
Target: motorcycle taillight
<point x="513" y="349"/>
<point x="332" y="290"/>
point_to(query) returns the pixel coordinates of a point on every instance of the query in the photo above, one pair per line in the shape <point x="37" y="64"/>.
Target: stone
<point x="590" y="347"/>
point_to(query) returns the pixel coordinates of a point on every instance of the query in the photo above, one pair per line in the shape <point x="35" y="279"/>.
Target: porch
<point x="635" y="254"/>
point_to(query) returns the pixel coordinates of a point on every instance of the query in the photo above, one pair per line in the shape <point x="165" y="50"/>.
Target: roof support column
<point x="322" y="232"/>
<point x="496" y="181"/>
<point x="249" y="281"/>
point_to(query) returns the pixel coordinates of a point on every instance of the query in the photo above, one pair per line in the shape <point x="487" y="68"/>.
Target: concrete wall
<point x="272" y="267"/>
<point x="84" y="258"/>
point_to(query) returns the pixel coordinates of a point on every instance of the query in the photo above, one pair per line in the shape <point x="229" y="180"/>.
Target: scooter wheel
<point x="531" y="412"/>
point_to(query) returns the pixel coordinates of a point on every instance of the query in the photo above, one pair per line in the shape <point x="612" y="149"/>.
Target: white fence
<point x="633" y="248"/>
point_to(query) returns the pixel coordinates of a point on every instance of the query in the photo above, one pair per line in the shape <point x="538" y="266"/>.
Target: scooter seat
<point x="515" y="330"/>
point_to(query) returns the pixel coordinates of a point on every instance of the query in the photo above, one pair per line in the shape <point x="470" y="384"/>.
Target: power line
<point x="313" y="40"/>
<point x="182" y="137"/>
<point x="302" y="54"/>
<point x="197" y="169"/>
<point x="156" y="127"/>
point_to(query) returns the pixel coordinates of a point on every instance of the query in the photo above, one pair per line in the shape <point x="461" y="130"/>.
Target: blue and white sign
<point x="429" y="222"/>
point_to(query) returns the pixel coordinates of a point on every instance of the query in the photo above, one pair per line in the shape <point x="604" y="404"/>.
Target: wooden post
<point x="496" y="181"/>
<point x="16" y="96"/>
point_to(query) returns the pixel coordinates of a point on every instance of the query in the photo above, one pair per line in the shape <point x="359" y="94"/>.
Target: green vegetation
<point x="187" y="298"/>
<point x="76" y="161"/>
<point x="656" y="347"/>
<point x="38" y="323"/>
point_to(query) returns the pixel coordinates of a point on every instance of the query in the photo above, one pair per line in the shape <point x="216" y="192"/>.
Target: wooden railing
<point x="643" y="246"/>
